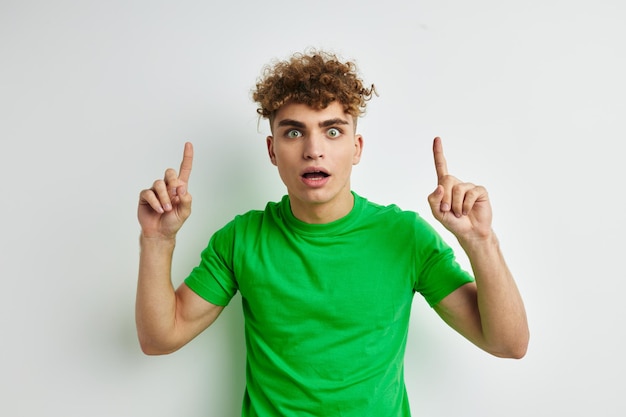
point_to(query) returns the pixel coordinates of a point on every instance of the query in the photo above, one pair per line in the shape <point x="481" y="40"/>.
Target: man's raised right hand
<point x="165" y="206"/>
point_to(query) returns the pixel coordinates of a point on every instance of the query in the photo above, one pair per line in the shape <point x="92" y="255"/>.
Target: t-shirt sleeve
<point x="213" y="279"/>
<point x="439" y="273"/>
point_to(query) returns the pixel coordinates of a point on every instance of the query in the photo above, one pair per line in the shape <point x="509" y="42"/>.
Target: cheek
<point x="284" y="162"/>
<point x="353" y="155"/>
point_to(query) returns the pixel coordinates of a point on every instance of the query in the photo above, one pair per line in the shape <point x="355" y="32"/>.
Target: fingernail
<point x="168" y="207"/>
<point x="445" y="207"/>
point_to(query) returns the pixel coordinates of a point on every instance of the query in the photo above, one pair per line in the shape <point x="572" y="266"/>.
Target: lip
<point x="309" y="170"/>
<point x="315" y="182"/>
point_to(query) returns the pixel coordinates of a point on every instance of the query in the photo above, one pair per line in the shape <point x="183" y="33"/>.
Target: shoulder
<point x="407" y="226"/>
<point x="254" y="219"/>
<point x="389" y="212"/>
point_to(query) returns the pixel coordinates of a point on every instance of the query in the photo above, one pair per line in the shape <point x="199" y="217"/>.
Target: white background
<point x="97" y="99"/>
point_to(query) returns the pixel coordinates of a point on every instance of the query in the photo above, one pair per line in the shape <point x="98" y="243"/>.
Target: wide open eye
<point x="333" y="132"/>
<point x="292" y="134"/>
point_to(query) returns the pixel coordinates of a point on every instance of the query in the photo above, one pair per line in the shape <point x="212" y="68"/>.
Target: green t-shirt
<point x="326" y="306"/>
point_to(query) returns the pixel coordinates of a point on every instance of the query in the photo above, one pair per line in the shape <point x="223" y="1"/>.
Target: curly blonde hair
<point x="315" y="78"/>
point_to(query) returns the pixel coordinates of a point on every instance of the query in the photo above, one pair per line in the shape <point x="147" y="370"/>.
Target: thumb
<point x="184" y="206"/>
<point x="434" y="199"/>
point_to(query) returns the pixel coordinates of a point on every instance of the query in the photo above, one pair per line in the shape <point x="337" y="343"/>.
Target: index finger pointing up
<point x="185" y="165"/>
<point x="440" y="161"/>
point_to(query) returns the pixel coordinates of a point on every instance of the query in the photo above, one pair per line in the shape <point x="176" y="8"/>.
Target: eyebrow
<point x="291" y="122"/>
<point x="332" y="122"/>
<point x="325" y="123"/>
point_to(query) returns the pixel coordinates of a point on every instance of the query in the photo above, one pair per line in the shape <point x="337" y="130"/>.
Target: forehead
<point x="309" y="116"/>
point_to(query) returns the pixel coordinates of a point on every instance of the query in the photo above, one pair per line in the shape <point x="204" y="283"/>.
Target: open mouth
<point x="315" y="175"/>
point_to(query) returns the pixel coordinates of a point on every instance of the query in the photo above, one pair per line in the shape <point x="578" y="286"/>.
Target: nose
<point x="313" y="146"/>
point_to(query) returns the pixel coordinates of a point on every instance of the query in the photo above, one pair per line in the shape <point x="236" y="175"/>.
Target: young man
<point x="326" y="277"/>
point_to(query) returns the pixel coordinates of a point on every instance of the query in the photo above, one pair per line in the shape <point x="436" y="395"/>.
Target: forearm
<point x="502" y="314"/>
<point x="155" y="308"/>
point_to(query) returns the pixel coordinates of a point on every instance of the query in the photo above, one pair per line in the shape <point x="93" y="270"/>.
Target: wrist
<point x="158" y="240"/>
<point x="479" y="242"/>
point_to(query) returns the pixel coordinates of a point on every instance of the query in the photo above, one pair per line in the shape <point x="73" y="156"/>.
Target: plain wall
<point x="97" y="99"/>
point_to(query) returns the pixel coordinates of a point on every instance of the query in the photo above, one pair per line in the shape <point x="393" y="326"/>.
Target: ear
<point x="358" y="149"/>
<point x="270" y="149"/>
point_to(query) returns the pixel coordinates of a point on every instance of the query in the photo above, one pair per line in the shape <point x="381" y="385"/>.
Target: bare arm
<point x="166" y="319"/>
<point x="490" y="312"/>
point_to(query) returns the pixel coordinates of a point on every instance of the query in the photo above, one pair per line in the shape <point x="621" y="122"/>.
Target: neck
<point x="321" y="213"/>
